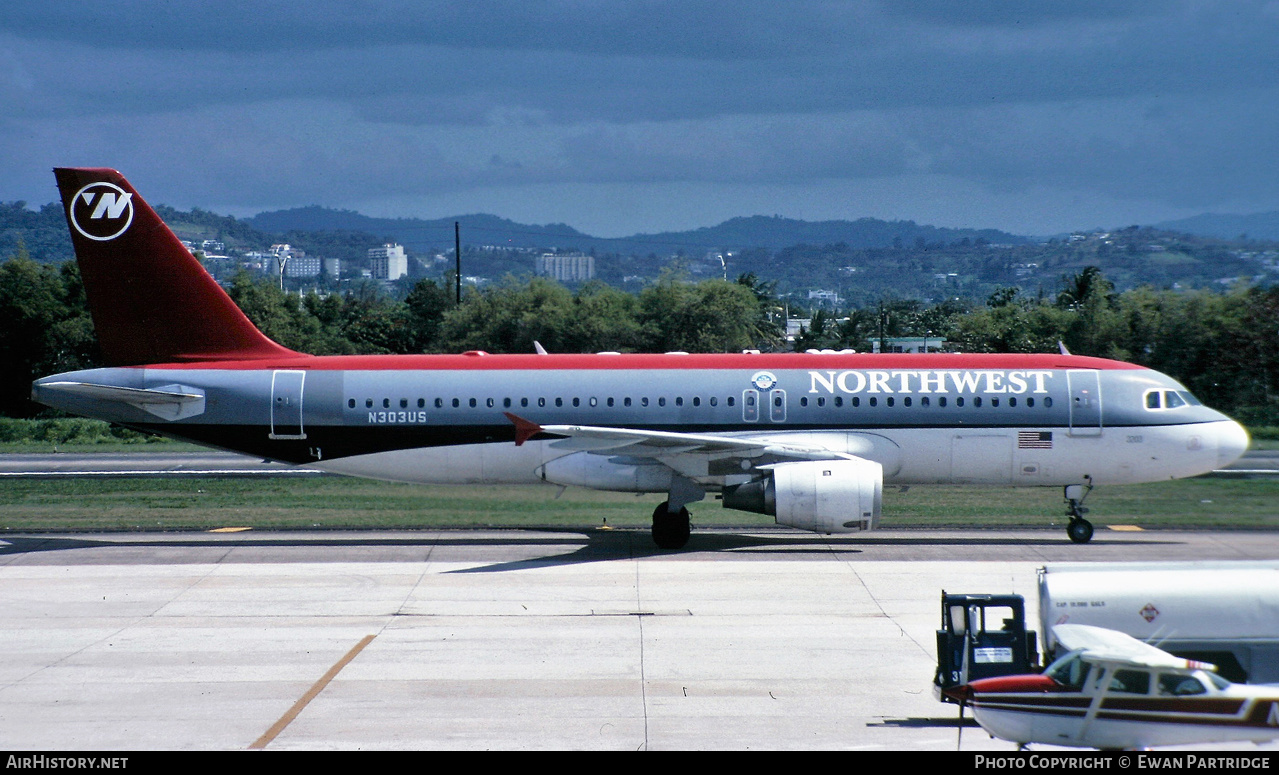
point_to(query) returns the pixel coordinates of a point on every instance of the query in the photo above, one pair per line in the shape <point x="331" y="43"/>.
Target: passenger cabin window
<point x="1175" y="685"/>
<point x="1130" y="682"/>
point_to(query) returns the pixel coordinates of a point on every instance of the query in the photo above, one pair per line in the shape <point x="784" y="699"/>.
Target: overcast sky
<point x="624" y="117"/>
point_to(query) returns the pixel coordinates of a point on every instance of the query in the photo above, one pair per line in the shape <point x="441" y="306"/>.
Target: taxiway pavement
<point x="513" y="640"/>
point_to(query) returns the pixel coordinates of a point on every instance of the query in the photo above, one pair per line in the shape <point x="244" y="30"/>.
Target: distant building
<point x="388" y="262"/>
<point x="302" y="266"/>
<point x="797" y="326"/>
<point x="909" y="344"/>
<point x="825" y="297"/>
<point x="567" y="267"/>
<point x="281" y="257"/>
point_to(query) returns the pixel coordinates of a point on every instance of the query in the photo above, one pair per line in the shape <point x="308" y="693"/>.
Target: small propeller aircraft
<point x="1112" y="691"/>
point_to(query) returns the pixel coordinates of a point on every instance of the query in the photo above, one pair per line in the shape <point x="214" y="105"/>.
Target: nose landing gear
<point x="1079" y="529"/>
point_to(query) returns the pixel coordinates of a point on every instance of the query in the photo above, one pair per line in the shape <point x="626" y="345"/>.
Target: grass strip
<point x="342" y="503"/>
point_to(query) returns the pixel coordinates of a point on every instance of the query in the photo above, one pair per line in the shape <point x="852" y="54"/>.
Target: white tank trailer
<point x="1226" y="613"/>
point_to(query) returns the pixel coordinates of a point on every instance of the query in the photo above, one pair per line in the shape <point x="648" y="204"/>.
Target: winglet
<point x="524" y="429"/>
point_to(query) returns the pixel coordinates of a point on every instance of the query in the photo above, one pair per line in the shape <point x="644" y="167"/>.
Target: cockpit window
<point x="1169" y="399"/>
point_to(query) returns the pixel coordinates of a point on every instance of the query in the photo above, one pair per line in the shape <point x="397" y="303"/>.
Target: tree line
<point x="1220" y="344"/>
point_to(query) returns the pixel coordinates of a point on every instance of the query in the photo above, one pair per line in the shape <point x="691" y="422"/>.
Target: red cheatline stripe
<point x="654" y="361"/>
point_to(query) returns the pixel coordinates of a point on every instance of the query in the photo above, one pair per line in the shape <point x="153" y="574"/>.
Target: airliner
<point x="809" y="438"/>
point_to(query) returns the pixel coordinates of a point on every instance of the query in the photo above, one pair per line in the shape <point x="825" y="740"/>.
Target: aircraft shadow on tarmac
<point x="547" y="547"/>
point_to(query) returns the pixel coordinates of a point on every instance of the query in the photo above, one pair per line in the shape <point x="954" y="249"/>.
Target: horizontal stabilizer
<point x="171" y="402"/>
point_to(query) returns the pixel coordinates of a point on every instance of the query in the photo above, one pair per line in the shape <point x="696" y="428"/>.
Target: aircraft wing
<point x="1104" y="645"/>
<point x="689" y="453"/>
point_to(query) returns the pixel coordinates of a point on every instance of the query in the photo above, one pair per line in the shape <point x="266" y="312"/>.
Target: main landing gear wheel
<point x="670" y="531"/>
<point x="1079" y="530"/>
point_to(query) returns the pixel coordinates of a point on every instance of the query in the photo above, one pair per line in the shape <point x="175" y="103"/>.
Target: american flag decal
<point x="1034" y="439"/>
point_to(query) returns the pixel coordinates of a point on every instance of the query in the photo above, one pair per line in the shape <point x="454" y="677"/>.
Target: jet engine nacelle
<point x="825" y="496"/>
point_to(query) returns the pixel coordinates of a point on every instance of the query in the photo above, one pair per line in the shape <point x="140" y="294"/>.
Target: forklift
<point x="982" y="636"/>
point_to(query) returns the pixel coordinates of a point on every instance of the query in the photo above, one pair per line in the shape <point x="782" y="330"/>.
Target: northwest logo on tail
<point x="102" y="211"/>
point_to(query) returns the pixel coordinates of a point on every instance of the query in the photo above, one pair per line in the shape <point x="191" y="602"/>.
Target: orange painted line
<point x="287" y="718"/>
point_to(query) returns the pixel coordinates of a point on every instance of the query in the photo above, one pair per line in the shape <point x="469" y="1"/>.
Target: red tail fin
<point x="151" y="300"/>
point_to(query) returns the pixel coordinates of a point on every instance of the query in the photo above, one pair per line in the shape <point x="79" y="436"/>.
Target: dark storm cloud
<point x="1161" y="105"/>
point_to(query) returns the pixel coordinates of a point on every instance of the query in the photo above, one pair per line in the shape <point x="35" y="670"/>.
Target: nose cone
<point x="1232" y="442"/>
